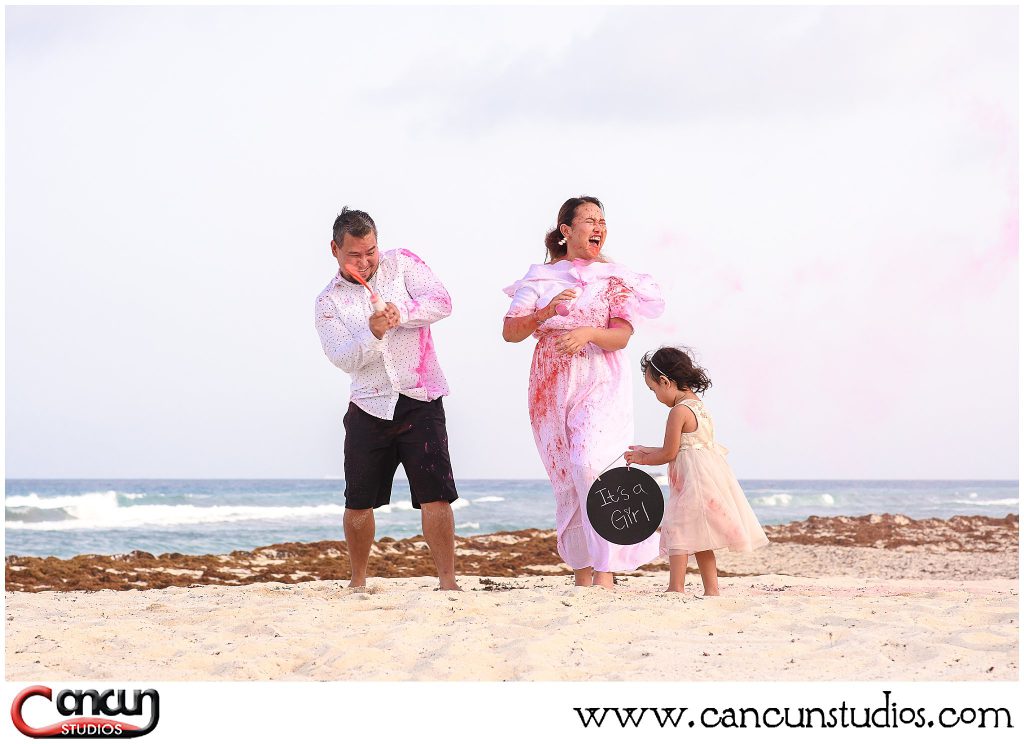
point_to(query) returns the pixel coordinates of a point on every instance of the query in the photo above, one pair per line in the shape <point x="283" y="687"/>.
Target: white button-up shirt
<point x="404" y="360"/>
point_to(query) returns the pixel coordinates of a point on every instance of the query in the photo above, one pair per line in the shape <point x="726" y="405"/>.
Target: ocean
<point x="64" y="518"/>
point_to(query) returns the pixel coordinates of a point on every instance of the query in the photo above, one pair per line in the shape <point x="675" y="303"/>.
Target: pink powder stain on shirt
<point x="411" y="255"/>
<point x="426" y="350"/>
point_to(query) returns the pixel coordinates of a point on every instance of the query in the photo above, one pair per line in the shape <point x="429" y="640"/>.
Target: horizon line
<point x="405" y="480"/>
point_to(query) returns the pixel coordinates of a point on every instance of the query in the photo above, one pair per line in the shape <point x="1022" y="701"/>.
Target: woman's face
<point x="585" y="237"/>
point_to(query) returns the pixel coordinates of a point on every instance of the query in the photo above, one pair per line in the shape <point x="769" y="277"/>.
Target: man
<point x="395" y="413"/>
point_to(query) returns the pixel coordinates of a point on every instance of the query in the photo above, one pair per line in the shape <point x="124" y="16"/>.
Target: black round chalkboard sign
<point x="625" y="506"/>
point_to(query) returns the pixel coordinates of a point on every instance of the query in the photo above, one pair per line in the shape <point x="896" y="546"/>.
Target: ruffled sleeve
<point x="539" y="282"/>
<point x="633" y="295"/>
<point x="524" y="298"/>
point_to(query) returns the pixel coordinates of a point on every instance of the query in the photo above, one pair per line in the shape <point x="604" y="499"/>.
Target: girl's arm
<point x="679" y="418"/>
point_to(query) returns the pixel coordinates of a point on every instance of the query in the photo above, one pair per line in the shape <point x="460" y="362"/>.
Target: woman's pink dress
<point x="581" y="406"/>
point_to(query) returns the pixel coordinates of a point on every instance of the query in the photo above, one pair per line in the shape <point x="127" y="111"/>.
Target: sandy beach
<point x="868" y="598"/>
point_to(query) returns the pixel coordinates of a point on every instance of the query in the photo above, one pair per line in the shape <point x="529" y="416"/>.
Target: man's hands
<point x="384" y="321"/>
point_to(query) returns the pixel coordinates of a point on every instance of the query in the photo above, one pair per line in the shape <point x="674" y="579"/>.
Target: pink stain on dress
<point x="580" y="405"/>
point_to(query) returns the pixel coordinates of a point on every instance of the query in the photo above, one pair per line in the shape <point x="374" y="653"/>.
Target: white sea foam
<point x="78" y="500"/>
<point x="486" y="499"/>
<point x="468" y="526"/>
<point x="83" y="500"/>
<point x="826" y="498"/>
<point x="987" y="502"/>
<point x="101" y="511"/>
<point x="407" y="506"/>
<point x="776" y="499"/>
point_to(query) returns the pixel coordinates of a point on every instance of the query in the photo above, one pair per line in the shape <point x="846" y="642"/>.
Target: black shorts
<point x="416" y="437"/>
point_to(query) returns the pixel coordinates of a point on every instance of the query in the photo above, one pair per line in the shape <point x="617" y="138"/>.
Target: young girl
<point x="706" y="509"/>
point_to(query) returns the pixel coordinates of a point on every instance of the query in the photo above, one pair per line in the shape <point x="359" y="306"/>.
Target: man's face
<point x="360" y="254"/>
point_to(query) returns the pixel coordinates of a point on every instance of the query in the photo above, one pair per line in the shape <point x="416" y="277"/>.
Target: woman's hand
<point x="548" y="311"/>
<point x="574" y="340"/>
<point x="516" y="329"/>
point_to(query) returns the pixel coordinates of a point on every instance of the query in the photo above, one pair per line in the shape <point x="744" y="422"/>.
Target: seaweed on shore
<point x="503" y="555"/>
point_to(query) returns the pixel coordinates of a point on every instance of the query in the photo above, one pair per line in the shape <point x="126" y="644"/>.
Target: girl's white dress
<point x="706" y="509"/>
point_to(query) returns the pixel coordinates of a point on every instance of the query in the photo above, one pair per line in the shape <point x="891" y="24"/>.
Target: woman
<point x="581" y="308"/>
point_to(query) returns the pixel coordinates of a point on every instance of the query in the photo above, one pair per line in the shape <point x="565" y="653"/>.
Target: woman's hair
<point x="565" y="217"/>
<point x="678" y="366"/>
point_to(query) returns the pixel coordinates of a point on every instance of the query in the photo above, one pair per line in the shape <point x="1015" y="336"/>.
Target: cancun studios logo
<point x="106" y="703"/>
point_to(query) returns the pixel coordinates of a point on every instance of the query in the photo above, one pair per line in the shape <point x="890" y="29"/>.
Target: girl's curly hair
<point x="678" y="366"/>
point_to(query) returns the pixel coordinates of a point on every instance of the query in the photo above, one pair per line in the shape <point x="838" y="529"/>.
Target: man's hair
<point x="352" y="222"/>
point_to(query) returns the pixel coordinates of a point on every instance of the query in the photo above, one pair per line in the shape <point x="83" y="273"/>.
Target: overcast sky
<point x="828" y="197"/>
